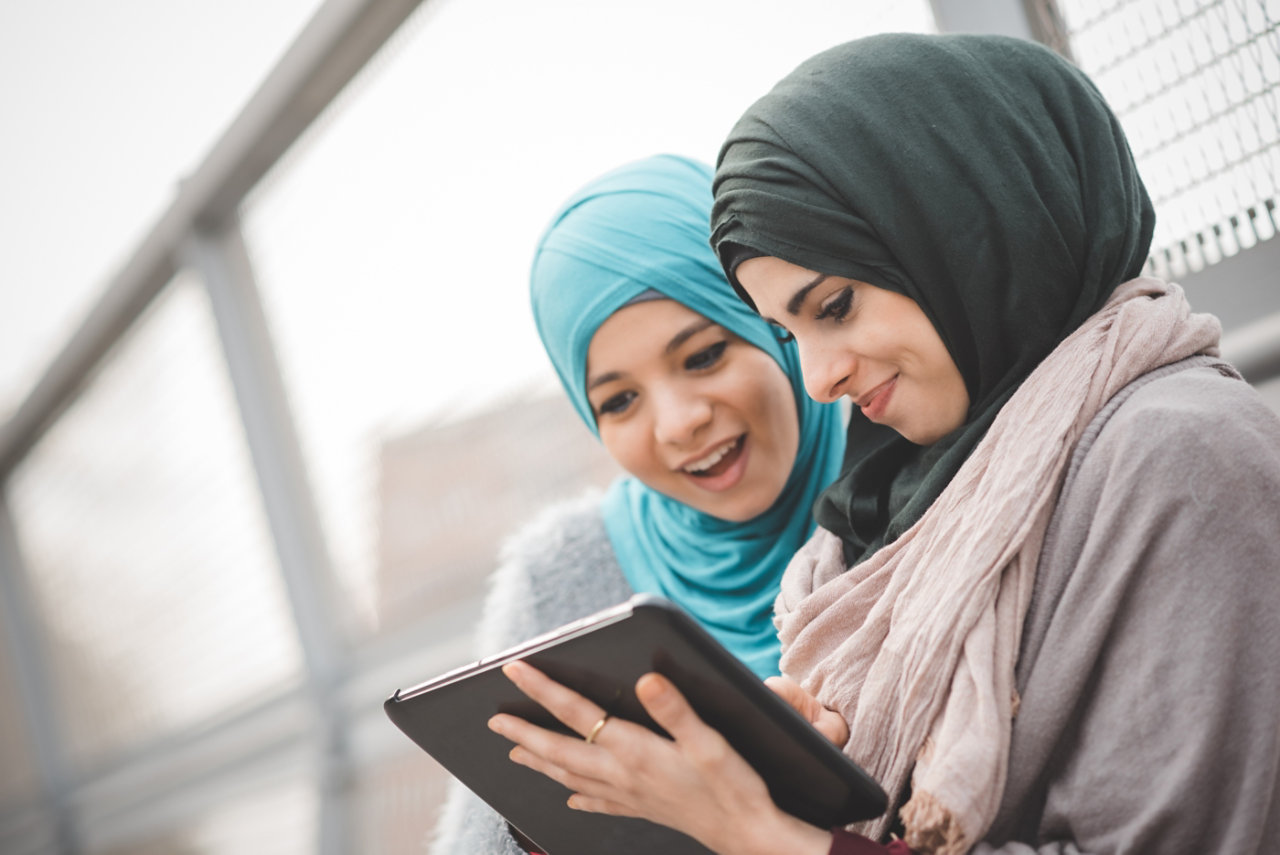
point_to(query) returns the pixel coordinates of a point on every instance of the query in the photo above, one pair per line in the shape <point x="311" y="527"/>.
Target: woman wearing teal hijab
<point x="638" y="234"/>
<point x="691" y="393"/>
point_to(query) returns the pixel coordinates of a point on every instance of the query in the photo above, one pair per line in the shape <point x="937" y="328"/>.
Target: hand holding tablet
<point x="587" y="673"/>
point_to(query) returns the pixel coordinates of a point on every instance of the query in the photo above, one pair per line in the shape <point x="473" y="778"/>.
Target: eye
<point x="782" y="334"/>
<point x="616" y="404"/>
<point x="706" y="357"/>
<point x="837" y="307"/>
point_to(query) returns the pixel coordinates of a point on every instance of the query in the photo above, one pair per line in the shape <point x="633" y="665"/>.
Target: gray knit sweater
<point x="559" y="568"/>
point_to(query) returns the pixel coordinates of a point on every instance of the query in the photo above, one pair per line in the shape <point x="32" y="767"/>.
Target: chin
<point x="920" y="439"/>
<point x="730" y="516"/>
<point x="919" y="434"/>
<point x="738" y="512"/>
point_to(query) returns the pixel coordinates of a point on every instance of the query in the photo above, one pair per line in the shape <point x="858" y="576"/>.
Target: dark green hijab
<point x="984" y="177"/>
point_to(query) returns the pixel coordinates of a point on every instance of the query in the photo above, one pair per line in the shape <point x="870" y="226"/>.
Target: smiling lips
<point x="721" y="467"/>
<point x="874" y="403"/>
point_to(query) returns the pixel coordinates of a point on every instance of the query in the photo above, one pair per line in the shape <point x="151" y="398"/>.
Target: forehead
<point x="775" y="285"/>
<point x="640" y="332"/>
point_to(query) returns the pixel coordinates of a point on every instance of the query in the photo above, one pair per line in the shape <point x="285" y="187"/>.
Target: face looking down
<point x="692" y="410"/>
<point x="874" y="346"/>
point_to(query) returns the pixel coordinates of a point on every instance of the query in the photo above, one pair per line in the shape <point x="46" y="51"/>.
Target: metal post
<point x="1036" y="20"/>
<point x="223" y="261"/>
<point x="35" y="692"/>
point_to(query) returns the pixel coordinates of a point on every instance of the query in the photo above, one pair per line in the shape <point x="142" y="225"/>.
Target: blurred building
<point x="448" y="495"/>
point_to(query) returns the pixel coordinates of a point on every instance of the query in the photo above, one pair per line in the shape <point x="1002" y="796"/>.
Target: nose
<point x="679" y="416"/>
<point x="826" y="371"/>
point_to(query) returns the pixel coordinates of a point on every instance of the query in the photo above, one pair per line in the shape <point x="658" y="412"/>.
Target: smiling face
<point x="692" y="410"/>
<point x="874" y="346"/>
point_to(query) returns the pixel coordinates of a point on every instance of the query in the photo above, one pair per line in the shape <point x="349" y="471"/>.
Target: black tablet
<point x="601" y="657"/>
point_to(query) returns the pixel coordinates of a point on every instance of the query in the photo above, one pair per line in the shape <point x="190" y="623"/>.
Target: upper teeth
<point x="711" y="459"/>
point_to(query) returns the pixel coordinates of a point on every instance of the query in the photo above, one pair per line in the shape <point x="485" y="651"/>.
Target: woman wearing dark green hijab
<point x="1042" y="597"/>
<point x="983" y="178"/>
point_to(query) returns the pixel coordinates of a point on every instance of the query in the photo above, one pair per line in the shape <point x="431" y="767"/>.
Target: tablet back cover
<point x="602" y="657"/>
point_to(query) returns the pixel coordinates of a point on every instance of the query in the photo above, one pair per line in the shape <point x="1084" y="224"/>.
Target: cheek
<point x="959" y="396"/>
<point x="625" y="444"/>
<point x="949" y="396"/>
<point x="773" y="409"/>
<point x="943" y="367"/>
<point x="787" y="425"/>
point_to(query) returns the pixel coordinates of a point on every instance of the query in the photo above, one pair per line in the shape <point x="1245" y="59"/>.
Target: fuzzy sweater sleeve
<point x="558" y="568"/>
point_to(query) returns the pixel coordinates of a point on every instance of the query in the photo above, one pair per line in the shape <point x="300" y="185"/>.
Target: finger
<point x="785" y="686"/>
<point x="537" y="747"/>
<point x="793" y="694"/>
<point x="826" y="721"/>
<point x="833" y="726"/>
<point x="571" y="708"/>
<point x="571" y="779"/>
<point x="778" y="684"/>
<point x="593" y="804"/>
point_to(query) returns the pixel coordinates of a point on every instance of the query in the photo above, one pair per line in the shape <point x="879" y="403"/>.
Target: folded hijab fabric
<point x="984" y="177"/>
<point x="641" y="228"/>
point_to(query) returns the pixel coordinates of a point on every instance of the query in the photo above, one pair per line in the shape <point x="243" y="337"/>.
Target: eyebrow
<point x="673" y="345"/>
<point x="607" y="377"/>
<point x="686" y="333"/>
<point x="798" y="298"/>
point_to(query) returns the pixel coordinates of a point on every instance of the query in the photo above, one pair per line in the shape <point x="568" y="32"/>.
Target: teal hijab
<point x="644" y="227"/>
<point x="984" y="177"/>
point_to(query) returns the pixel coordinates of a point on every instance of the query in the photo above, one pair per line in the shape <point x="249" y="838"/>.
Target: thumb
<point x="791" y="692"/>
<point x="827" y="722"/>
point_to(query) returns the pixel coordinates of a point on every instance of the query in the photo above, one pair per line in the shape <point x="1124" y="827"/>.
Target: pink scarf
<point x="916" y="646"/>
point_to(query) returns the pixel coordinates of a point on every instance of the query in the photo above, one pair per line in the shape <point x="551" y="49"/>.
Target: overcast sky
<point x="105" y="106"/>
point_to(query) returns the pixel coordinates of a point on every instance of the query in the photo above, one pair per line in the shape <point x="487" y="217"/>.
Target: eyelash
<point x="783" y="336"/>
<point x="838" y="309"/>
<point x="703" y="360"/>
<point x="706" y="357"/>
<point x="616" y="404"/>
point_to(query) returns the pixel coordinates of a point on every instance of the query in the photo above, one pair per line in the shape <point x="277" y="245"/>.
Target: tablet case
<point x="601" y="657"/>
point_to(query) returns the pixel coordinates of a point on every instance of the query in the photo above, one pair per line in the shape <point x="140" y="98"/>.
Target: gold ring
<point x="596" y="728"/>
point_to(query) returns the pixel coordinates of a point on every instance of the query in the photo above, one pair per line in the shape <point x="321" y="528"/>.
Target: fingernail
<point x="650" y="687"/>
<point x="496" y="724"/>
